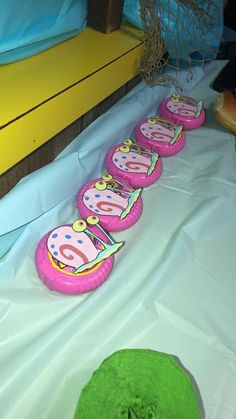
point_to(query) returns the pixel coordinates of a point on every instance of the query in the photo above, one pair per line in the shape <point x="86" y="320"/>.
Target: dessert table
<point x="172" y="288"/>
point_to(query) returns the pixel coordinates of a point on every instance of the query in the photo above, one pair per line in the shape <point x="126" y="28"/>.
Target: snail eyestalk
<point x="107" y="177"/>
<point x="125" y="148"/>
<point x="110" y="188"/>
<point x="100" y="185"/>
<point x="152" y="121"/>
<point x="79" y="225"/>
<point x="109" y="249"/>
<point x="93" y="220"/>
<point x="125" y="186"/>
<point x="128" y="142"/>
<point x="175" y="98"/>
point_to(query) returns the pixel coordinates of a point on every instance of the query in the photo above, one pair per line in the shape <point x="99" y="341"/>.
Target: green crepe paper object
<point x="138" y="384"/>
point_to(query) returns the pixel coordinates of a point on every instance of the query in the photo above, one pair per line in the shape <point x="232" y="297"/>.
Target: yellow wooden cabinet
<point x="43" y="94"/>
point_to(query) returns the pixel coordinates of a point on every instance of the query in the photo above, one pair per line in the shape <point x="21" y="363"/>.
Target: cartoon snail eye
<point x="128" y="142"/>
<point x="107" y="177"/>
<point x="175" y="98"/>
<point x="124" y="149"/>
<point x="100" y="185"/>
<point x="79" y="225"/>
<point x="152" y="121"/>
<point x="92" y="220"/>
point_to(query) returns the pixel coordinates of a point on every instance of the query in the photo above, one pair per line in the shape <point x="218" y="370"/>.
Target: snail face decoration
<point x="184" y="106"/>
<point x="80" y="248"/>
<point x="161" y="130"/>
<point x="184" y="111"/>
<point x="132" y="158"/>
<point x="133" y="164"/>
<point x="110" y="196"/>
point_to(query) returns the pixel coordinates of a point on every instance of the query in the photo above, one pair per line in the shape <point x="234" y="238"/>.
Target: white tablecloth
<point x="173" y="286"/>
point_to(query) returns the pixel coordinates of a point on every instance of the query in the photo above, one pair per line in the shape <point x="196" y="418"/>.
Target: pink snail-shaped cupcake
<point x="117" y="205"/>
<point x="77" y="258"/>
<point x="183" y="110"/>
<point x="160" y="135"/>
<point x="133" y="165"/>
